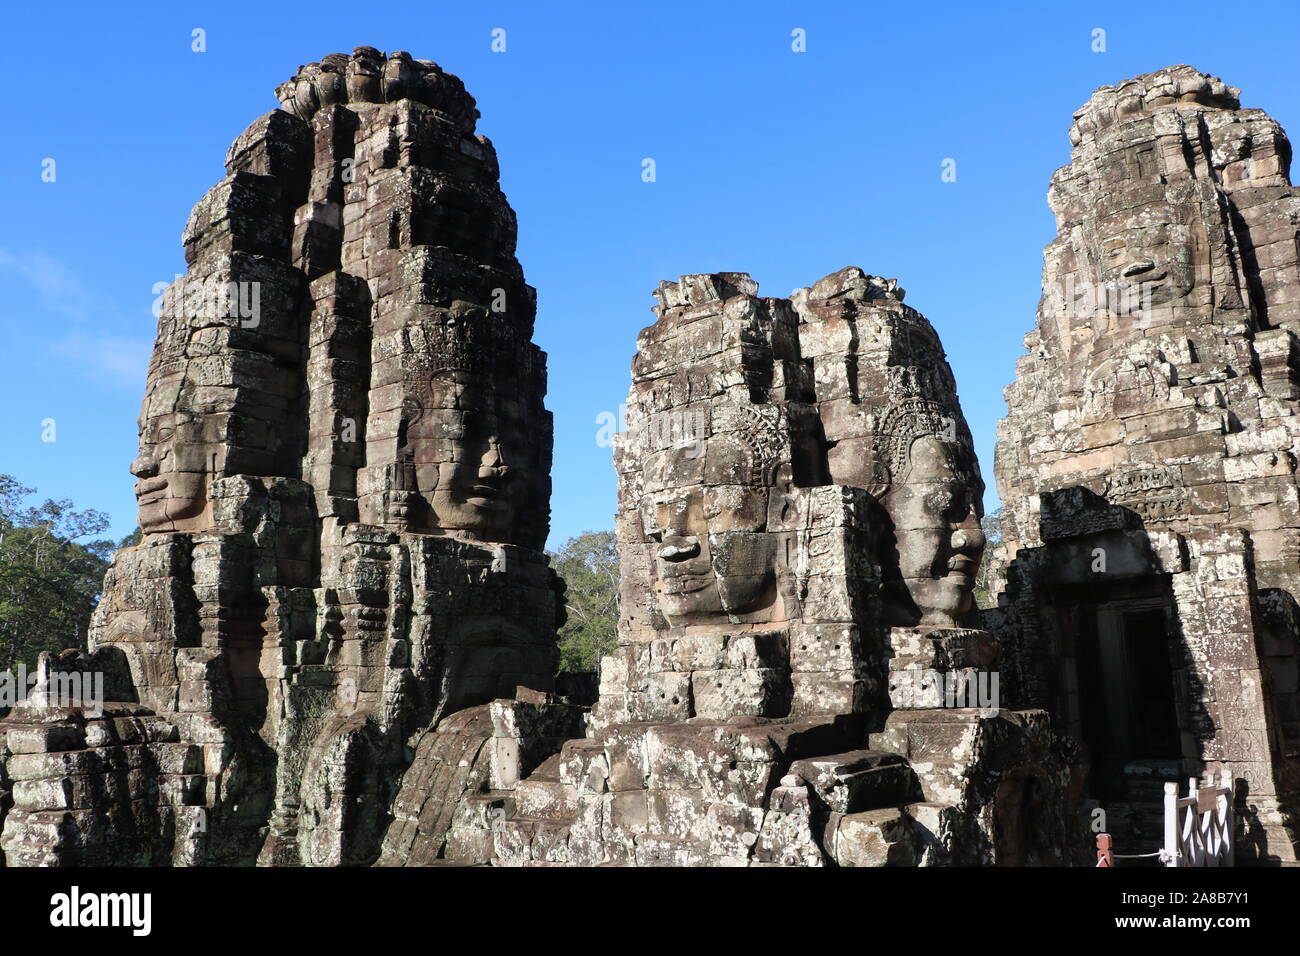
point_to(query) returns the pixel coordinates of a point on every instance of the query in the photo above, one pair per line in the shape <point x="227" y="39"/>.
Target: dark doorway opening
<point x="1127" y="700"/>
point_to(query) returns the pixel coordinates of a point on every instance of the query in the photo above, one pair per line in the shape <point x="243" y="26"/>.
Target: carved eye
<point x="938" y="502"/>
<point x="948" y="504"/>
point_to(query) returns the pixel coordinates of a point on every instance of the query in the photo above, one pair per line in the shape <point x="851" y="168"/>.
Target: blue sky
<point x="785" y="165"/>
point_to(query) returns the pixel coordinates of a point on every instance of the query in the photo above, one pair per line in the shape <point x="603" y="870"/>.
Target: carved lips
<point x="681" y="567"/>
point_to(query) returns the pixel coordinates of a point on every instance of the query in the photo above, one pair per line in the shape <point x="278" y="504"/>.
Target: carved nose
<point x="145" y="466"/>
<point x="679" y="550"/>
<point x="1138" y="267"/>
<point x="967" y="539"/>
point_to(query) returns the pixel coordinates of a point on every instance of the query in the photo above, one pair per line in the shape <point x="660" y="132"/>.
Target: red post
<point x="1104" y="855"/>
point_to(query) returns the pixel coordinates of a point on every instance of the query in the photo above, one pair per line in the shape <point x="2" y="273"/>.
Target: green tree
<point x="51" y="571"/>
<point x="992" y="527"/>
<point x="589" y="566"/>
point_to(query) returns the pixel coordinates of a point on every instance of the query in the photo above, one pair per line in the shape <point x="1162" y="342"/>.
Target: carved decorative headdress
<point x="489" y="346"/>
<point x="760" y="431"/>
<point x="897" y="427"/>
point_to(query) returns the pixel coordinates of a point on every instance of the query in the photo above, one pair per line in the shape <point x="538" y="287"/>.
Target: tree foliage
<point x="992" y="527"/>
<point x="589" y="566"/>
<point x="52" y="568"/>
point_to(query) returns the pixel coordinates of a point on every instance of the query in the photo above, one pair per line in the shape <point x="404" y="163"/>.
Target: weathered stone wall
<point x="1153" y="424"/>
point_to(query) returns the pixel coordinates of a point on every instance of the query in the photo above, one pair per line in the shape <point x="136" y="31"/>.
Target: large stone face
<point x="343" y="484"/>
<point x="1148" y="458"/>
<point x="722" y="480"/>
<point x="888" y="405"/>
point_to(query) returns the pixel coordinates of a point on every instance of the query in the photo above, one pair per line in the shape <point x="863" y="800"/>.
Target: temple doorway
<point x="1128" y="700"/>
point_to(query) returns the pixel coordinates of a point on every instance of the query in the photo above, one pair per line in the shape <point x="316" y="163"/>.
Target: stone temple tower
<point x="1147" y="462"/>
<point x="343" y="487"/>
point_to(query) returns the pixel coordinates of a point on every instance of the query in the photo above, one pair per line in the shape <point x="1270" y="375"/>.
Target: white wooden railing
<point x="1198" y="827"/>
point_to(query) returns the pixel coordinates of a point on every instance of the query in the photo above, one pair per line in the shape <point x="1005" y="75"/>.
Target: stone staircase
<point x="484" y="780"/>
<point x="543" y="797"/>
<point x="749" y="793"/>
<point x="539" y="812"/>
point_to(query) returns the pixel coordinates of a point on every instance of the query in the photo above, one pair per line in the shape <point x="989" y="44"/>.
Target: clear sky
<point x="786" y="165"/>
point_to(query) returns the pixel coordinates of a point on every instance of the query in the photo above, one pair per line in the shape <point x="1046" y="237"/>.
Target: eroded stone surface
<point x="343" y="487"/>
<point x="1148" y="456"/>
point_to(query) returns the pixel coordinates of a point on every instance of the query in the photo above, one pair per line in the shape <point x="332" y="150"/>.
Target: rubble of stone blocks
<point x="466" y="776"/>
<point x="1153" y="422"/>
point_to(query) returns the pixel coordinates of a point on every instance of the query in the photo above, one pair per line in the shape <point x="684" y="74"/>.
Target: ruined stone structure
<point x="1147" y="463"/>
<point x="798" y="530"/>
<point x="335" y="642"/>
<point x="343" y="488"/>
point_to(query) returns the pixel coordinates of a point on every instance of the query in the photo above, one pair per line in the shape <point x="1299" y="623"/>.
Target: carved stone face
<point x="1155" y="264"/>
<point x="713" y="556"/>
<point x="175" y="462"/>
<point x="938" y="534"/>
<point x="469" y="461"/>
